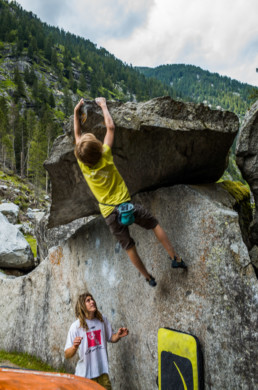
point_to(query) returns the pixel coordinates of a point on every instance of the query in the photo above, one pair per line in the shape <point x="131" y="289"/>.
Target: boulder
<point x="215" y="300"/>
<point x="158" y="143"/>
<point x="26" y="228"/>
<point x="247" y="159"/>
<point x="50" y="237"/>
<point x="15" y="251"/>
<point x="35" y="214"/>
<point x="11" y="211"/>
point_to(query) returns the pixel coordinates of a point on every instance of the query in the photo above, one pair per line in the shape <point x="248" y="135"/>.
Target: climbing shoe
<point x="176" y="264"/>
<point x="152" y="282"/>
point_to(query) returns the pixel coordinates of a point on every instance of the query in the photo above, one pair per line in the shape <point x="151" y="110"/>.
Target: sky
<point x="218" y="35"/>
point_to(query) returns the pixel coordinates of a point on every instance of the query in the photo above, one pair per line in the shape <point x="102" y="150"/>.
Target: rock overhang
<point x="158" y="143"/>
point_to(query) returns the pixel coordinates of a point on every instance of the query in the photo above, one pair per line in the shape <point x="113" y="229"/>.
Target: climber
<point x="96" y="162"/>
<point x="89" y="335"/>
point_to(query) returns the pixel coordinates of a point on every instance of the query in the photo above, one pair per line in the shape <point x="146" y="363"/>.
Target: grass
<point x="33" y="243"/>
<point x="14" y="179"/>
<point x="24" y="360"/>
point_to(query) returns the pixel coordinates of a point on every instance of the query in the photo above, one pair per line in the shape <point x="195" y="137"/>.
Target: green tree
<point x="32" y="48"/>
<point x="29" y="76"/>
<point x="48" y="47"/>
<point x="54" y="58"/>
<point x="10" y="139"/>
<point x="37" y="155"/>
<point x="51" y="100"/>
<point x="253" y="94"/>
<point x="68" y="104"/>
<point x="82" y="83"/>
<point x="5" y="136"/>
<point x="31" y="124"/>
<point x="20" y="89"/>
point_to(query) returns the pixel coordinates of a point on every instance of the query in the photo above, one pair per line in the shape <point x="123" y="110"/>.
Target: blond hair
<point x="82" y="313"/>
<point x="89" y="149"/>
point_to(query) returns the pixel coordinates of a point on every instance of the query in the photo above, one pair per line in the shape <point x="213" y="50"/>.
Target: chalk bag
<point x="126" y="213"/>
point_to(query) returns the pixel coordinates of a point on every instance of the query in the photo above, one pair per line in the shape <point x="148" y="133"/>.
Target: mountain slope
<point x="198" y="85"/>
<point x="74" y="63"/>
<point x="43" y="72"/>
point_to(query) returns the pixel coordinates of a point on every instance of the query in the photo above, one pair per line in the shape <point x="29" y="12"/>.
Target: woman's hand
<point x="122" y="332"/>
<point x="77" y="341"/>
<point x="70" y="352"/>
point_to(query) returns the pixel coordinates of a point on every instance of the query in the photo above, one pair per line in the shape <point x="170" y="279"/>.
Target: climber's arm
<point x="110" y="126"/>
<point x="76" y="121"/>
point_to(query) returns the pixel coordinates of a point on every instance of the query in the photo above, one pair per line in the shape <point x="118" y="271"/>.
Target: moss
<point x="237" y="189"/>
<point x="241" y="194"/>
<point x="17" y="182"/>
<point x="33" y="243"/>
<point x="14" y="180"/>
<point x="22" y="202"/>
<point x="27" y="361"/>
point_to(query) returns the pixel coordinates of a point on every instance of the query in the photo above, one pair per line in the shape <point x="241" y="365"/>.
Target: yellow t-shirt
<point x="105" y="182"/>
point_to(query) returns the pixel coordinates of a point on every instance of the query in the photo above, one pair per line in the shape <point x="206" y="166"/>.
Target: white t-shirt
<point x="92" y="351"/>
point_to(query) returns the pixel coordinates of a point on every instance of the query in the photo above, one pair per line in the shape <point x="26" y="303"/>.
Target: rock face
<point x="158" y="143"/>
<point x="247" y="159"/>
<point x="47" y="238"/>
<point x="216" y="299"/>
<point x="11" y="211"/>
<point x="15" y="251"/>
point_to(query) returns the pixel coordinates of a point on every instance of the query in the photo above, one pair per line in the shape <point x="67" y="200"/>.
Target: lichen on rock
<point x="241" y="194"/>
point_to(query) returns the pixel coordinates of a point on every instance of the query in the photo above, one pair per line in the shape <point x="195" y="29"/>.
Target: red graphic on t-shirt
<point x="94" y="338"/>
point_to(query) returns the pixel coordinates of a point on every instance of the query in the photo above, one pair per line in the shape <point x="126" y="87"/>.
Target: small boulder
<point x="15" y="251"/>
<point x="11" y="211"/>
<point x="35" y="214"/>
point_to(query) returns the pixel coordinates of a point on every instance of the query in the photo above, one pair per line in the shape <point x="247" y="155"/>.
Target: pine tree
<point x="68" y="104"/>
<point x="10" y="139"/>
<point x="51" y="100"/>
<point x="37" y="155"/>
<point x="54" y="59"/>
<point x="5" y="136"/>
<point x="20" y="89"/>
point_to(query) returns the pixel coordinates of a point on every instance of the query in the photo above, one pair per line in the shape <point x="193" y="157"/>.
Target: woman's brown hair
<point x="89" y="149"/>
<point x="81" y="312"/>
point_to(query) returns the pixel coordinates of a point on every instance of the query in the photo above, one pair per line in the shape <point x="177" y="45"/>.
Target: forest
<point x="45" y="70"/>
<point x="201" y="86"/>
